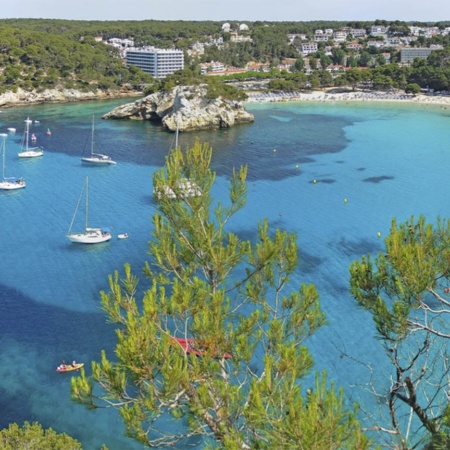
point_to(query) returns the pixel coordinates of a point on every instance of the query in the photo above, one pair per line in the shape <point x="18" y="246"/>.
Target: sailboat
<point x="29" y="152"/>
<point x="11" y="182"/>
<point x="89" y="235"/>
<point x="96" y="158"/>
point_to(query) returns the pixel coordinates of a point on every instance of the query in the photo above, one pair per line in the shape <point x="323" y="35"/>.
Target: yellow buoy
<point x="296" y="167"/>
<point x="274" y="150"/>
<point x="345" y="200"/>
<point x="315" y="181"/>
<point x="379" y="234"/>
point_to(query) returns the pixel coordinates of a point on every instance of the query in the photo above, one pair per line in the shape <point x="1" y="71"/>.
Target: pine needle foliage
<point x="243" y="387"/>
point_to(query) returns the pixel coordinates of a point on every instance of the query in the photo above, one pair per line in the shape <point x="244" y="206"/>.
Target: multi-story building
<point x="340" y="36"/>
<point x="213" y="66"/>
<point x="321" y="37"/>
<point x="378" y="30"/>
<point x="358" y="32"/>
<point x="409" y="54"/>
<point x="308" y="48"/>
<point x="156" y="61"/>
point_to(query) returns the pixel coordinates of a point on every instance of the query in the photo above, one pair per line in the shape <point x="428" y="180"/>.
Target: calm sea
<point x="335" y="174"/>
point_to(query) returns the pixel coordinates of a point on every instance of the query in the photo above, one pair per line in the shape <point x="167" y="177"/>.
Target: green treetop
<point x="406" y="289"/>
<point x="234" y="298"/>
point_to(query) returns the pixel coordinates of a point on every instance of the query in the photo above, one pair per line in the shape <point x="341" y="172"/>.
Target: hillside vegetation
<point x="39" y="60"/>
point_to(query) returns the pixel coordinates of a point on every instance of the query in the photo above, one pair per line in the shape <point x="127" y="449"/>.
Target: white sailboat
<point x="89" y="235"/>
<point x="9" y="183"/>
<point x="96" y="158"/>
<point x="29" y="152"/>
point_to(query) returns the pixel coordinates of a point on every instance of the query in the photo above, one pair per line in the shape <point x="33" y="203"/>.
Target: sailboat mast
<point x="27" y="133"/>
<point x="87" y="201"/>
<point x="3" y="154"/>
<point x="92" y="139"/>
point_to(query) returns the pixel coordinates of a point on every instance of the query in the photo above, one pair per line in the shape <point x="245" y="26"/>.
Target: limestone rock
<point x="186" y="106"/>
<point x="57" y="95"/>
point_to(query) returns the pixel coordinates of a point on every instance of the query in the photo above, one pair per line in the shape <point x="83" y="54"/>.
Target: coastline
<point x="350" y="96"/>
<point x="11" y="99"/>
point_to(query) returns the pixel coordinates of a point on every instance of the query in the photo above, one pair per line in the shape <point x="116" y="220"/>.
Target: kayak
<point x="69" y="367"/>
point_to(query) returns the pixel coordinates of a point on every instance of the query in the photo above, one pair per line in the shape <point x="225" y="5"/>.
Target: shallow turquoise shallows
<point x="335" y="174"/>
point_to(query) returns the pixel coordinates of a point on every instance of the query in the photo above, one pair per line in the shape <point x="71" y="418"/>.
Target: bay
<point x="333" y="173"/>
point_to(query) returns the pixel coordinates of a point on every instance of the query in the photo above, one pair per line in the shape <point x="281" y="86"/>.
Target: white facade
<point x="157" y="62"/>
<point x="321" y="37"/>
<point x="358" y="32"/>
<point x="378" y="30"/>
<point x="310" y="47"/>
<point x="213" y="66"/>
<point x="339" y="36"/>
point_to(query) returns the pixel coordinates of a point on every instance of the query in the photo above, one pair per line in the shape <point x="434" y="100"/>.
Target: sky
<point x="229" y="10"/>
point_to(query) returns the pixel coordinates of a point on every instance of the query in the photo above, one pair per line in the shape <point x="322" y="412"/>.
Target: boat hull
<point x="95" y="236"/>
<point x="105" y="160"/>
<point x="12" y="185"/>
<point x="31" y="154"/>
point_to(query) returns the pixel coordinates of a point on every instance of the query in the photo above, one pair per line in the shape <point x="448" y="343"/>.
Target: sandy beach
<point x="356" y="96"/>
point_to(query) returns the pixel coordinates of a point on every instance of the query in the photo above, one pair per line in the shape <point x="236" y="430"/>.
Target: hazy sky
<point x="226" y="10"/>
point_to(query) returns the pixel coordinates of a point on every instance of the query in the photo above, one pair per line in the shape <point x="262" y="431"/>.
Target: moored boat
<point x="94" y="157"/>
<point x="9" y="183"/>
<point x="29" y="152"/>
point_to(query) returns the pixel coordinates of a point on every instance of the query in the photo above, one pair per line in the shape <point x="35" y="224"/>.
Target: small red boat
<point x="190" y="345"/>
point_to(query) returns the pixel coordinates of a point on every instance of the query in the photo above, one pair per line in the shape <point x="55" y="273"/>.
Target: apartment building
<point x="408" y="55"/>
<point x="157" y="62"/>
<point x="308" y="48"/>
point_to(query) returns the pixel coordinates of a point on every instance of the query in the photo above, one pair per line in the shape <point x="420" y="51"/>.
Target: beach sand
<point x="350" y="96"/>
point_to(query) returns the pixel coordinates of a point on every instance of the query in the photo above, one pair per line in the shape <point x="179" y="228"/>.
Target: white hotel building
<point x="157" y="62"/>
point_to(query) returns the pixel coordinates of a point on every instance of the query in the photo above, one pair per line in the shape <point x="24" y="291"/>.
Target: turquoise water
<point x="335" y="174"/>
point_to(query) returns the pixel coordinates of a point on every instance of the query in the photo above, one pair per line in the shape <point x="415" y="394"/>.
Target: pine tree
<point x="240" y="387"/>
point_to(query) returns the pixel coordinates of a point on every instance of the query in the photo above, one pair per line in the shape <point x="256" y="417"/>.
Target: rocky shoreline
<point x="27" y="98"/>
<point x="185" y="106"/>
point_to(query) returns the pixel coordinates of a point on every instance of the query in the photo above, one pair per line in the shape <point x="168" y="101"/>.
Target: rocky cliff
<point x="185" y="106"/>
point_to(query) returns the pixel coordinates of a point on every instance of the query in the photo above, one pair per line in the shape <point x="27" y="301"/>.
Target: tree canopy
<point x="34" y="437"/>
<point x="240" y="385"/>
<point x="406" y="289"/>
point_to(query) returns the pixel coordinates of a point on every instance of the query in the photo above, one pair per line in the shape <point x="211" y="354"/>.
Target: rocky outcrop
<point x="21" y="97"/>
<point x="185" y="106"/>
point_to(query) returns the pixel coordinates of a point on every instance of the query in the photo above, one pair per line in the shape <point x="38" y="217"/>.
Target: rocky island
<point x="186" y="107"/>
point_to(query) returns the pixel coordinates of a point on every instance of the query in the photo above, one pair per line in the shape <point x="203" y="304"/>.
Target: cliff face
<point x="186" y="106"/>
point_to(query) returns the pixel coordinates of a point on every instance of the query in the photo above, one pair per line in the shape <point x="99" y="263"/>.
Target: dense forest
<point x="49" y="53"/>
